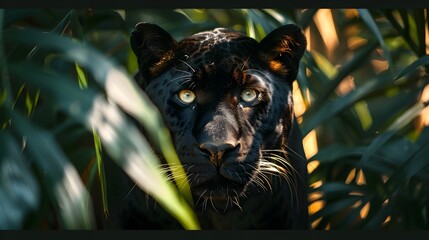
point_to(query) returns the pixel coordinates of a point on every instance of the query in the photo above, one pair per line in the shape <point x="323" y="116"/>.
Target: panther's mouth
<point x="219" y="187"/>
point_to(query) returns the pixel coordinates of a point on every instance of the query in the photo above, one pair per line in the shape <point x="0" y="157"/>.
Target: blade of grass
<point x="410" y="68"/>
<point x="119" y="87"/>
<point x="101" y="172"/>
<point x="83" y="83"/>
<point x="121" y="139"/>
<point x="370" y="22"/>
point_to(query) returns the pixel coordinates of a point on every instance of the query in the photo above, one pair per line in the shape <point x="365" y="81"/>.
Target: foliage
<point x="67" y="94"/>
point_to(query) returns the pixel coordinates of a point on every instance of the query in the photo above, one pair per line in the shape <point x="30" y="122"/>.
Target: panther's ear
<point x="153" y="47"/>
<point x="282" y="50"/>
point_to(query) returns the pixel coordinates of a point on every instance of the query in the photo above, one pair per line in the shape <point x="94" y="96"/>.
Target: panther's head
<point x="227" y="100"/>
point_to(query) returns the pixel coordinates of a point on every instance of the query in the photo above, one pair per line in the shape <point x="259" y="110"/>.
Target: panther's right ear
<point x="153" y="47"/>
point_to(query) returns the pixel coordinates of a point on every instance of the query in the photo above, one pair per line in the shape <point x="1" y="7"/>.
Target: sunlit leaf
<point x="101" y="172"/>
<point x="123" y="141"/>
<point x="119" y="88"/>
<point x="376" y="221"/>
<point x="407" y="116"/>
<point x="83" y="83"/>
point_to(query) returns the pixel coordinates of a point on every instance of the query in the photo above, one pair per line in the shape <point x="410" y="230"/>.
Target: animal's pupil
<point x="186" y="96"/>
<point x="249" y="95"/>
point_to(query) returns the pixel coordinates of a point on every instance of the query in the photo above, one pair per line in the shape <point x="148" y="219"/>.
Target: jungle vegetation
<point x="67" y="95"/>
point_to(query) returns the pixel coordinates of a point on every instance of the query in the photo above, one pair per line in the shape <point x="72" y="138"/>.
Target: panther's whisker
<point x="236" y="202"/>
<point x="211" y="202"/>
<point x="227" y="200"/>
<point x="296" y="154"/>
<point x="187" y="79"/>
<point x="187" y="64"/>
<point x="250" y="70"/>
<point x="185" y="82"/>
<point x="291" y="183"/>
<point x="180" y="70"/>
<point x="284" y="161"/>
<point x="266" y="178"/>
<point x="201" y="196"/>
<point x="258" y="182"/>
<point x="205" y="203"/>
<point x="245" y="62"/>
<point x="129" y="192"/>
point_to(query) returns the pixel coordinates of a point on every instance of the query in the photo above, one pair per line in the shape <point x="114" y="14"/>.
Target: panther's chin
<point x="218" y="193"/>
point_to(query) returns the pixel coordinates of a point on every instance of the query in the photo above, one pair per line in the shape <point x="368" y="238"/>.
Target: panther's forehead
<point x="218" y="46"/>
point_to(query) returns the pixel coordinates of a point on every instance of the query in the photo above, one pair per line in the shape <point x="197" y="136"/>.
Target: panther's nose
<point x="216" y="151"/>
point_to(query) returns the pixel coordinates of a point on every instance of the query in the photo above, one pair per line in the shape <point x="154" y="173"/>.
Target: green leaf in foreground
<point x="120" y="138"/>
<point x="19" y="192"/>
<point x="119" y="87"/>
<point x="65" y="186"/>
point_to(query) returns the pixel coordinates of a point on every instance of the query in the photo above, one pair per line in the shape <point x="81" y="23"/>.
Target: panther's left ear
<point x="153" y="47"/>
<point x="282" y="50"/>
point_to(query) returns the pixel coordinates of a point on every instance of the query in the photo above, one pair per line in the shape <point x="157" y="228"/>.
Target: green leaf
<point x="250" y="28"/>
<point x="65" y="187"/>
<point x="119" y="88"/>
<point x="375" y="145"/>
<point x="335" y="207"/>
<point x="377" y="220"/>
<point x="409" y="69"/>
<point x="121" y="139"/>
<point x="419" y="18"/>
<point x="307" y="17"/>
<point x="19" y="191"/>
<point x="333" y="190"/>
<point x="330" y="108"/>
<point x="414" y="163"/>
<point x="83" y="83"/>
<point x="337" y="152"/>
<point x="370" y="22"/>
<point x="101" y="172"/>
<point x="407" y="117"/>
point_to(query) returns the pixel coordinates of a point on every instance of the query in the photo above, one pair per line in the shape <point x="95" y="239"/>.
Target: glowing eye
<point x="249" y="95"/>
<point x="186" y="96"/>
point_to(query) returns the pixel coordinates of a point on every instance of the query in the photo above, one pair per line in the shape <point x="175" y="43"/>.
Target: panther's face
<point x="227" y="102"/>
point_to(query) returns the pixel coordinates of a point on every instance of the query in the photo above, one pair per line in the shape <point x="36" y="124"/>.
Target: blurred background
<point x="67" y="90"/>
